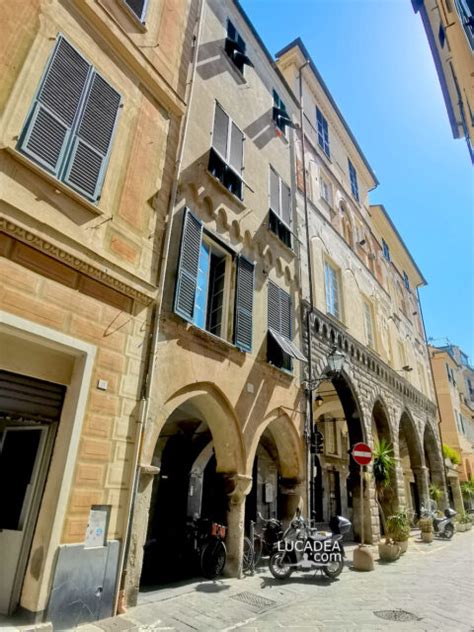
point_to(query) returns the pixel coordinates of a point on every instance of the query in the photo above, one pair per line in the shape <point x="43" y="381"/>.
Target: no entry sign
<point x="362" y="454"/>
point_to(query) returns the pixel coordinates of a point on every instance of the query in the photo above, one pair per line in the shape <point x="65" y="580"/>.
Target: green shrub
<point x="398" y="526"/>
<point x="451" y="454"/>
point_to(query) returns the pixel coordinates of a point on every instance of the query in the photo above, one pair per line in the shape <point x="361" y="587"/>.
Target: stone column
<point x="134" y="562"/>
<point x="457" y="495"/>
<point x="237" y="488"/>
<point x="422" y="484"/>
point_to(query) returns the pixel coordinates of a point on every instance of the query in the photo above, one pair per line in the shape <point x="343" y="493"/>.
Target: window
<point x="280" y="348"/>
<point x="323" y="132"/>
<point x="280" y="115"/>
<point x="369" y="325"/>
<point x="333" y="294"/>
<point x="448" y="371"/>
<point x="353" y="179"/>
<point x="235" y="48"/>
<point x="330" y="436"/>
<point x="466" y="12"/>
<point x="402" y="355"/>
<point x="138" y="7"/>
<point x="280" y="208"/>
<point x="70" y="127"/>
<point x="406" y="280"/>
<point x="226" y="159"/>
<point x="205" y="294"/>
<point x="326" y="190"/>
<point x="386" y="250"/>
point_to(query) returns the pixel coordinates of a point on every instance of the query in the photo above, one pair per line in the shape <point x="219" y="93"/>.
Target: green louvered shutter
<point x="273" y="307"/>
<point x="188" y="266"/>
<point x="244" y="304"/>
<point x="91" y="146"/>
<point x="48" y="128"/>
<point x="285" y="315"/>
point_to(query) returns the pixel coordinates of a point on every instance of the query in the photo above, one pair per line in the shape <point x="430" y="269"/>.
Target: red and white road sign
<point x="362" y="454"/>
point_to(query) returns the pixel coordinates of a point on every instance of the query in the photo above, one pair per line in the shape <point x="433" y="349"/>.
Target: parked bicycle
<point x="263" y="538"/>
<point x="206" y="540"/>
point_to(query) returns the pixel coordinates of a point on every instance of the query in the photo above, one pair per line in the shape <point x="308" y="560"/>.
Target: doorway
<point x="26" y="440"/>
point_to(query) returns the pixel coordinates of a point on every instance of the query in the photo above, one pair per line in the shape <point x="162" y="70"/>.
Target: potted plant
<point x="464" y="523"/>
<point x="398" y="529"/>
<point x="389" y="550"/>
<point x="382" y="465"/>
<point x="426" y="527"/>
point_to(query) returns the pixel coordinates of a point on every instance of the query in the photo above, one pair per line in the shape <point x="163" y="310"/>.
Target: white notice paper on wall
<point x="97" y="528"/>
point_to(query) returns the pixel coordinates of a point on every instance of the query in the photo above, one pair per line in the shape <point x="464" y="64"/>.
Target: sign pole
<point x="362" y="504"/>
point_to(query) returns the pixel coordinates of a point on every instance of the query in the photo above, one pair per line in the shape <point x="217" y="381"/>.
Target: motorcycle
<point x="305" y="548"/>
<point x="442" y="525"/>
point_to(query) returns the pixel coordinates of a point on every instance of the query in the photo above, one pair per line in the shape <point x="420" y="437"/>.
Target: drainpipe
<point x="436" y="395"/>
<point x="152" y="351"/>
<point x="309" y="430"/>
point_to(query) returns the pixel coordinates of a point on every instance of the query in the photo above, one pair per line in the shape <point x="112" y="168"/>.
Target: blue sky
<point x="375" y="59"/>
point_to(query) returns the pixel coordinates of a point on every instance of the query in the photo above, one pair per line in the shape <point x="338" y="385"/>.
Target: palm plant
<point x="382" y="467"/>
<point x="436" y="493"/>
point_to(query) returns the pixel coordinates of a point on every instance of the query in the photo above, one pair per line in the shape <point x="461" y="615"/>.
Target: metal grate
<point x="396" y="615"/>
<point x="251" y="599"/>
<point x="115" y="624"/>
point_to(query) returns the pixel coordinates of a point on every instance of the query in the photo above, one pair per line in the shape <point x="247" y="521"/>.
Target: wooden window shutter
<point x="236" y="149"/>
<point x="90" y="150"/>
<point x="285" y="315"/>
<point x="48" y="128"/>
<point x="286" y="204"/>
<point x="273" y="307"/>
<point x="221" y="126"/>
<point x="244" y="304"/>
<point x="188" y="265"/>
<point x="274" y="192"/>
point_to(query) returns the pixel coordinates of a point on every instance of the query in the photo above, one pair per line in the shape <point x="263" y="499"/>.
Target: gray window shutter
<point x="285" y="315"/>
<point x="90" y="150"/>
<point x="273" y="307"/>
<point x="221" y="126"/>
<point x="244" y="304"/>
<point x="274" y="192"/>
<point x="236" y="149"/>
<point x="285" y="204"/>
<point x="48" y="128"/>
<point x="188" y="265"/>
<point x="138" y="7"/>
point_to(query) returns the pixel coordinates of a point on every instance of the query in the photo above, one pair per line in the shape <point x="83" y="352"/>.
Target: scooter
<point x="304" y="548"/>
<point x="442" y="525"/>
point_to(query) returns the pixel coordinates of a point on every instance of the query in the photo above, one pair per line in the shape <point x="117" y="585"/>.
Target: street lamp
<point x="336" y="361"/>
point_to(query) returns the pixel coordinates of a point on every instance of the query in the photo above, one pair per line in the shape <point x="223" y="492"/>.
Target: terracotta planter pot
<point x="427" y="536"/>
<point x="403" y="546"/>
<point x="389" y="552"/>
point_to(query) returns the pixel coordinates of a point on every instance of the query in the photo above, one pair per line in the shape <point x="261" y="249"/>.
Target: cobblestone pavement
<point x="433" y="582"/>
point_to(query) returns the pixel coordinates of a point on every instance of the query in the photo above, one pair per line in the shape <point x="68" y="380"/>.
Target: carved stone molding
<point x="74" y="262"/>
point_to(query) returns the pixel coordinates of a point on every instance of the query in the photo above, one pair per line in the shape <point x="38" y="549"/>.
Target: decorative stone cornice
<point x="72" y="261"/>
<point x="330" y="334"/>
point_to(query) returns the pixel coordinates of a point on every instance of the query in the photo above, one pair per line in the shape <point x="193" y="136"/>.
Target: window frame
<point x="336" y="274"/>
<point x="406" y="280"/>
<point x="226" y="160"/>
<point x="241" y="46"/>
<point x="322" y="129"/>
<point x="281" y="229"/>
<point x="353" y="180"/>
<point x="325" y="185"/>
<point x="279" y="106"/>
<point x="386" y="251"/>
<point x="141" y="19"/>
<point x="369" y="325"/>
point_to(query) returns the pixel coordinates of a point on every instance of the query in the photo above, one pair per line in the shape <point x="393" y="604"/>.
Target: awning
<point x="287" y="346"/>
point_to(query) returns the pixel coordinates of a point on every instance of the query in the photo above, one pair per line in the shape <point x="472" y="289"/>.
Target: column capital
<point x="237" y="486"/>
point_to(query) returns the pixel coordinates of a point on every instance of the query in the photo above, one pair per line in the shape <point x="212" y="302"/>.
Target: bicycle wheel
<point x="213" y="558"/>
<point x="257" y="549"/>
<point x="248" y="555"/>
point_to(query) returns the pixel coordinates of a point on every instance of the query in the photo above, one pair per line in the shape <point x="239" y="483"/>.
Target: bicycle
<point x="261" y="542"/>
<point x="207" y="542"/>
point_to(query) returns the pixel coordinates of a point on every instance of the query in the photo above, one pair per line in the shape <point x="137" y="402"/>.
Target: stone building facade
<point x="92" y="97"/>
<point x="449" y="26"/>
<point x="365" y="305"/>
<point x="224" y="438"/>
<point x="454" y="384"/>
